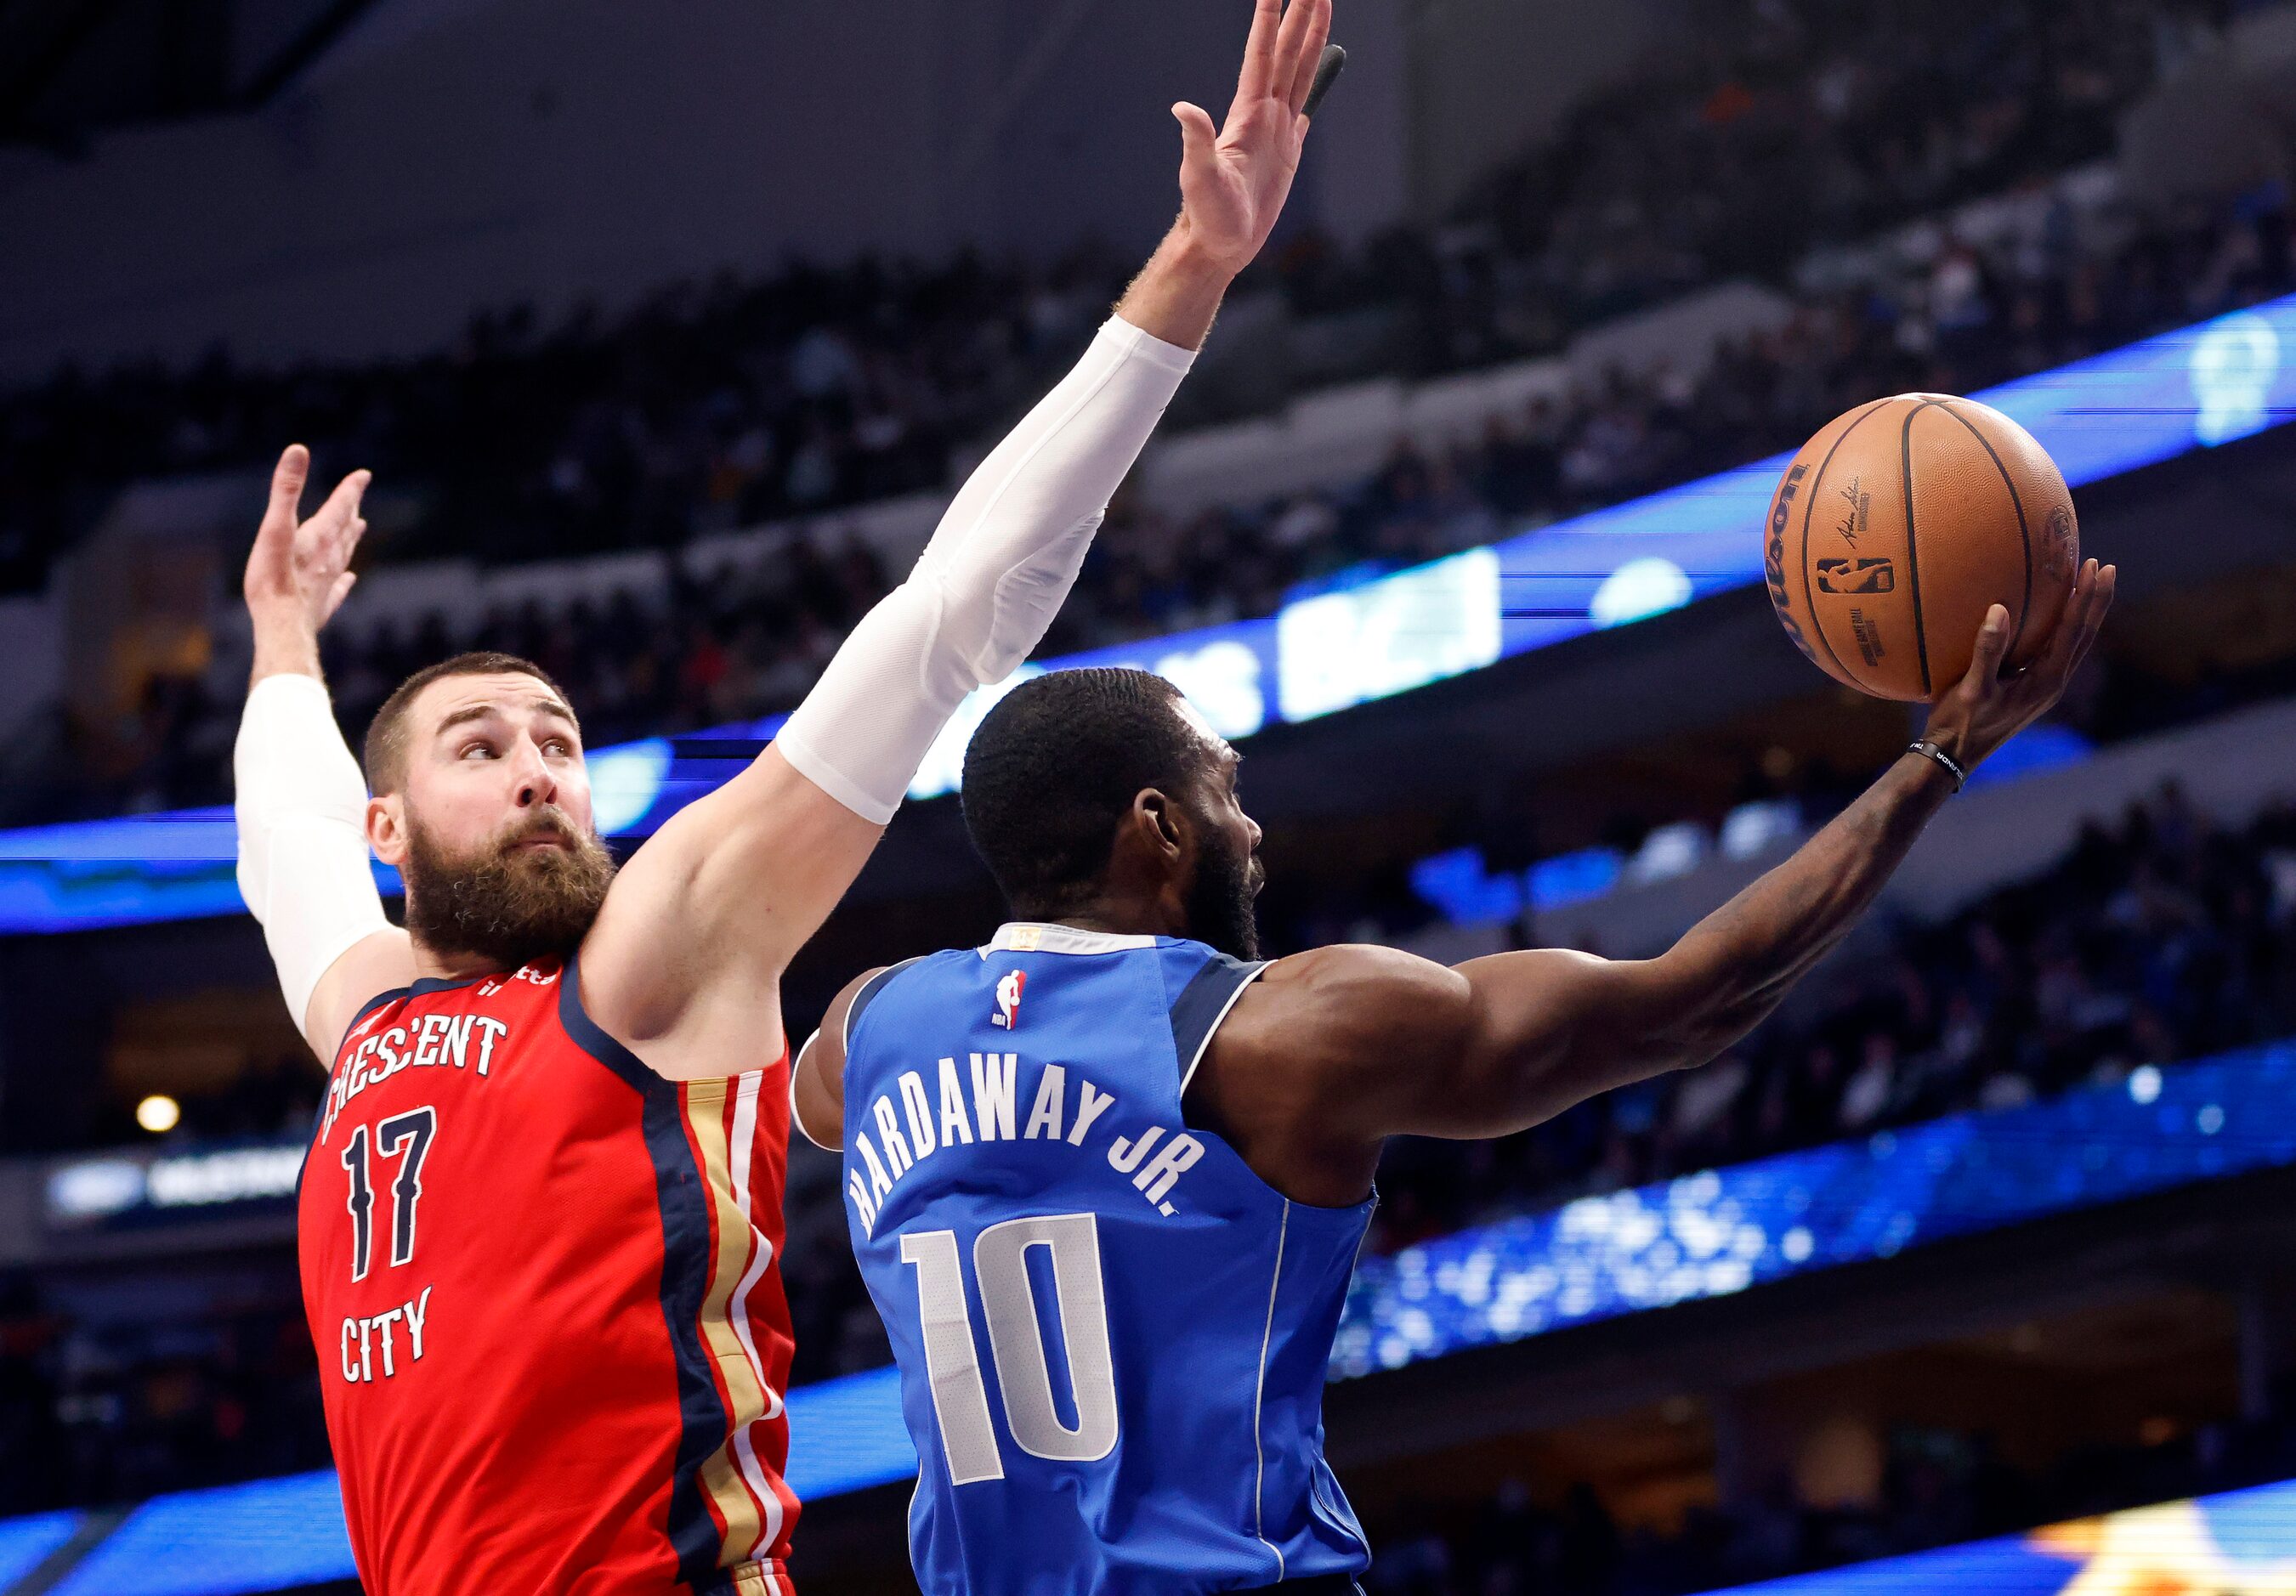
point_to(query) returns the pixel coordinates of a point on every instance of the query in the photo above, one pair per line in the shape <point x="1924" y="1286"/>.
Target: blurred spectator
<point x="1937" y="1487"/>
<point x="1762" y="130"/>
<point x="2161" y="940"/>
<point x="737" y="643"/>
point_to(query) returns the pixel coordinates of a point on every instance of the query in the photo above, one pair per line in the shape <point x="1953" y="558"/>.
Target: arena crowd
<point x="722" y="406"/>
<point x="1780" y="126"/>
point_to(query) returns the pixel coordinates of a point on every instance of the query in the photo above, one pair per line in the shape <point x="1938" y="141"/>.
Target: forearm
<point x="1541" y="1030"/>
<point x="989" y="582"/>
<point x="299" y="802"/>
<point x="285" y="645"/>
<point x="1178" y="292"/>
<point x="1732" y="969"/>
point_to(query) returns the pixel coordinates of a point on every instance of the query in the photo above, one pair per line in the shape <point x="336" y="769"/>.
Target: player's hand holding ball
<point x="1924" y="548"/>
<point x="1992" y="703"/>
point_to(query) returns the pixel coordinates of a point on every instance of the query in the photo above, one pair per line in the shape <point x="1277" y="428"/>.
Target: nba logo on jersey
<point x="1008" y="999"/>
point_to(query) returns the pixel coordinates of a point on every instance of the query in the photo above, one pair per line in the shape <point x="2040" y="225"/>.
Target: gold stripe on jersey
<point x="721" y="1480"/>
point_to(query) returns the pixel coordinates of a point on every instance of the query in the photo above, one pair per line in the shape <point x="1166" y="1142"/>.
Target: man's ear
<point x="386" y="829"/>
<point x="1158" y="819"/>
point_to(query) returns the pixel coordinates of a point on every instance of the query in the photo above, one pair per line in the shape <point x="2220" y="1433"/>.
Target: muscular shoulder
<point x="1350" y="1006"/>
<point x="1296" y="1079"/>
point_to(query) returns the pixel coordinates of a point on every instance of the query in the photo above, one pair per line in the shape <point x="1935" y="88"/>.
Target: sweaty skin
<point x="1329" y="1053"/>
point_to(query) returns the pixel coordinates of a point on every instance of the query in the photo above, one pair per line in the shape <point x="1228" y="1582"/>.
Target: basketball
<point x="1899" y="524"/>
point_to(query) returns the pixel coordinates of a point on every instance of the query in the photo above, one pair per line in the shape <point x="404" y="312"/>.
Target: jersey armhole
<point x="865" y="997"/>
<point x="796" y="1118"/>
<point x="861" y="1000"/>
<point x="1203" y="1003"/>
<point x="369" y="1007"/>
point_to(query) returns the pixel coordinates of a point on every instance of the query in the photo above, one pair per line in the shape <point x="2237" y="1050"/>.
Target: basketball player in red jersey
<point x="541" y="1209"/>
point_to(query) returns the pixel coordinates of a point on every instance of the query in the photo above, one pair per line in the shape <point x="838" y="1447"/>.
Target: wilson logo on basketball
<point x="1774" y="556"/>
<point x="1008" y="999"/>
<point x="1867" y="575"/>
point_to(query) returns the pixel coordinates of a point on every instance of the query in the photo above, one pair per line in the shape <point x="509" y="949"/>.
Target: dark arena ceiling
<point x="70" y="68"/>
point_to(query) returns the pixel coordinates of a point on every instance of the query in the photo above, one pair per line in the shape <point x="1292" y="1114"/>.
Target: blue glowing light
<point x="25" y="1544"/>
<point x="2118" y="411"/>
<point x="625" y="783"/>
<point x="270" y="1535"/>
<point x="848" y="1434"/>
<point x="1704" y="1235"/>
<point x="1462" y="886"/>
<point x="1722" y="1230"/>
<point x="2038" y="747"/>
<point x="1638" y="590"/>
<point x="2239" y="1540"/>
<point x="1574" y="878"/>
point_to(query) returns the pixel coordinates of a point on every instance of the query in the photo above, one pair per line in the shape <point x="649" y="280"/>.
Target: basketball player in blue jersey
<point x="1106" y="1176"/>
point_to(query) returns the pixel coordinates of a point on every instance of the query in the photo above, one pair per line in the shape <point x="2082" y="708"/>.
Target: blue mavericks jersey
<point x="1112" y="1335"/>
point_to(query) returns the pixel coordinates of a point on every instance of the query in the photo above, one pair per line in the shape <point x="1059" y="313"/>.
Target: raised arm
<point x="299" y="798"/>
<point x="1335" y="1050"/>
<point x="685" y="960"/>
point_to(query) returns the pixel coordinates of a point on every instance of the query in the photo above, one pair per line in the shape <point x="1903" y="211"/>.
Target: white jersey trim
<point x="753" y="1471"/>
<point x="1260" y="1387"/>
<point x="1030" y="936"/>
<point x="1212" y="1030"/>
<point x="796" y="1118"/>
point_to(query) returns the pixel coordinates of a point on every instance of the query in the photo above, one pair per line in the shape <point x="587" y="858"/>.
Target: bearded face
<point x="1220" y="899"/>
<point x="531" y="892"/>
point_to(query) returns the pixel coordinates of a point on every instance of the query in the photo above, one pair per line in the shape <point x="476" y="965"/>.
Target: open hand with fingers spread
<point x="1986" y="708"/>
<point x="299" y="572"/>
<point x="1233" y="178"/>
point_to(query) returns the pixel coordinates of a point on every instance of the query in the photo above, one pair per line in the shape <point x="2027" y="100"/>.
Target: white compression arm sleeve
<point x="989" y="582"/>
<point x="302" y="806"/>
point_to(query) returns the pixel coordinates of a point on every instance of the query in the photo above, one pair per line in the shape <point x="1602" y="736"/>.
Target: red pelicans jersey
<point x="544" y="1285"/>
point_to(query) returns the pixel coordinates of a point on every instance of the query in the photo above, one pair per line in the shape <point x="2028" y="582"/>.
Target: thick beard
<point x="1220" y="900"/>
<point x="504" y="904"/>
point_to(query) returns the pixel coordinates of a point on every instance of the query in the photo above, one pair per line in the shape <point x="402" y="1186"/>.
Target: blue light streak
<point x="2239" y="1540"/>
<point x="25" y="1544"/>
<point x="1705" y="1235"/>
<point x="1720" y="1232"/>
<point x="2119" y="411"/>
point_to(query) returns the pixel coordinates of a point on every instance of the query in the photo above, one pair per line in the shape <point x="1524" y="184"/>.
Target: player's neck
<point x="1120" y="918"/>
<point x="433" y="965"/>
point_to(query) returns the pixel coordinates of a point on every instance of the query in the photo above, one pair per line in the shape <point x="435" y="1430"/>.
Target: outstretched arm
<point x="1389" y="1044"/>
<point x="684" y="962"/>
<point x="300" y="799"/>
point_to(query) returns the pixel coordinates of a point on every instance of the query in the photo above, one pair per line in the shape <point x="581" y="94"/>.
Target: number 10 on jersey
<point x="1016" y="1341"/>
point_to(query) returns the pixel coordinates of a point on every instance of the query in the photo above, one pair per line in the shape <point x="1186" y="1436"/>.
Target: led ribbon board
<point x="1716" y="1232"/>
<point x="2238" y="1543"/>
<point x="2132" y="407"/>
<point x="1704" y="1235"/>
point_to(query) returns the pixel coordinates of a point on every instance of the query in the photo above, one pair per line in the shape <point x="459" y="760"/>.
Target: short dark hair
<point x="1055" y="766"/>
<point x="386" y="734"/>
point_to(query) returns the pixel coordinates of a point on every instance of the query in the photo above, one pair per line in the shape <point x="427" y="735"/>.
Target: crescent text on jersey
<point x="928" y="1122"/>
<point x="375" y="1051"/>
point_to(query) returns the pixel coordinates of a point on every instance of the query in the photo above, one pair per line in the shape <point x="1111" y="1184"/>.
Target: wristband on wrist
<point x="1946" y="762"/>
